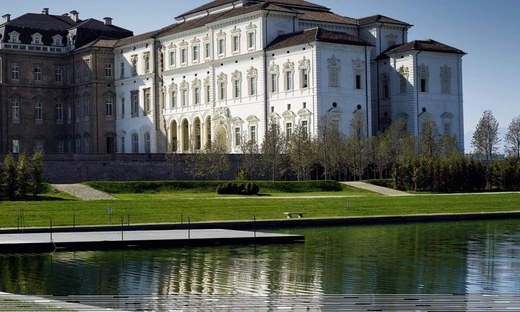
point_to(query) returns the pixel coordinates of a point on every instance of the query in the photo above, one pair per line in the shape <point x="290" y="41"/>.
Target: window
<point x="184" y="56"/>
<point x="147" y="101"/>
<point x="288" y="81"/>
<point x="123" y="104"/>
<point x="207" y="50"/>
<point x="196" y="53"/>
<point x="16" y="146"/>
<point x="288" y="130"/>
<point x="38" y="74"/>
<point x="87" y="107"/>
<point x="147" y="142"/>
<point x="208" y="93"/>
<point x="15" y="73"/>
<point x="59" y="112"/>
<point x="122" y="70"/>
<point x="252" y="134"/>
<point x="69" y="112"/>
<point x="358" y="82"/>
<point x="38" y="145"/>
<point x="305" y="128"/>
<point x="108" y="70"/>
<point x="333" y="64"/>
<point x="87" y="69"/>
<point x="222" y="90"/>
<point x="109" y="106"/>
<point x="58" y="75"/>
<point x="184" y="97"/>
<point x="237" y="136"/>
<point x="252" y="74"/>
<point x="60" y="146"/>
<point x="445" y="79"/>
<point x="221" y="47"/>
<point x="16" y="110"/>
<point x="135" y="143"/>
<point x="274" y="82"/>
<point x="122" y="144"/>
<point x="251" y="40"/>
<point x="87" y="144"/>
<point x="78" y="144"/>
<point x="135" y="104"/>
<point x="236" y="89"/>
<point x="174" y="99"/>
<point x="196" y="95"/>
<point x="305" y="77"/>
<point x="222" y="83"/>
<point x="78" y="112"/>
<point x="423" y="73"/>
<point x="236" y="44"/>
<point x="38" y="111"/>
<point x="446" y="123"/>
<point x="172" y="58"/>
<point x="252" y="85"/>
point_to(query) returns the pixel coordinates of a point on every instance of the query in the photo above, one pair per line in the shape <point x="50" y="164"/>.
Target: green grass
<point x="169" y="206"/>
<point x="15" y="305"/>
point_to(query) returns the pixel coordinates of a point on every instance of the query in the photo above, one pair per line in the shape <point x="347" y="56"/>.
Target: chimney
<point x="74" y="15"/>
<point x="7" y="18"/>
<point x="108" y="21"/>
<point x="45" y="11"/>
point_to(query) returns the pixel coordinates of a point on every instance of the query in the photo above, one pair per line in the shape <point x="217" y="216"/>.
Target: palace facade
<point x="226" y="69"/>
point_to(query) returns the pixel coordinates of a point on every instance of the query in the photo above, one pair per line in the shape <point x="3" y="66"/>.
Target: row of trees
<point x="430" y="162"/>
<point x="22" y="176"/>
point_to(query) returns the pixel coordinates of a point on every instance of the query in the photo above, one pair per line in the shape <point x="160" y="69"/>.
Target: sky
<point x="485" y="29"/>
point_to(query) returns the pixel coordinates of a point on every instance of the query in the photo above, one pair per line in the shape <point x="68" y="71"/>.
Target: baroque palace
<point x="227" y="69"/>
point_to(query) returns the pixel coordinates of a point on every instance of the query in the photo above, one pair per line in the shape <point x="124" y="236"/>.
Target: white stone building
<point x="228" y="68"/>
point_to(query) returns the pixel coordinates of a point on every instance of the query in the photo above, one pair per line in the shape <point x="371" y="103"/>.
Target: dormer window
<point x="36" y="39"/>
<point x="57" y="41"/>
<point x="14" y="37"/>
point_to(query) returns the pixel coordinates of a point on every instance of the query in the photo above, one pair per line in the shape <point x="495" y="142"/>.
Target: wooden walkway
<point x="74" y="241"/>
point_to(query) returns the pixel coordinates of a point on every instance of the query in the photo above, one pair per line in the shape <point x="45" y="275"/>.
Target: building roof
<point x="380" y="19"/>
<point x="328" y="17"/>
<point x="292" y="3"/>
<point x="313" y="35"/>
<point x="424" y="45"/>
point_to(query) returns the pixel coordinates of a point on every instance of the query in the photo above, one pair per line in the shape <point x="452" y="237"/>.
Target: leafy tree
<point x="250" y="158"/>
<point x="23" y="174"/>
<point x="273" y="150"/>
<point x="485" y="138"/>
<point x="512" y="138"/>
<point x="215" y="157"/>
<point x="448" y="146"/>
<point x="37" y="173"/>
<point x="9" y="176"/>
<point x="356" y="148"/>
<point x="378" y="155"/>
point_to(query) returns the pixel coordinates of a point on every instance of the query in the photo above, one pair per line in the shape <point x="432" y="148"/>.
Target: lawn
<point x="176" y="206"/>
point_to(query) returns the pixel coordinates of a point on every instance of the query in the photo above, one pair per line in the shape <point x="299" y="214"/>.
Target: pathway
<point x="378" y="189"/>
<point x="83" y="192"/>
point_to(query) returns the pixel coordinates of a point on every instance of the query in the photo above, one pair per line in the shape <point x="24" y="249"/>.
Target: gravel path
<point x="378" y="189"/>
<point x="83" y="192"/>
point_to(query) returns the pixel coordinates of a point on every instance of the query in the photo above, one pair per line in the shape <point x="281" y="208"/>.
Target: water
<point x="424" y="258"/>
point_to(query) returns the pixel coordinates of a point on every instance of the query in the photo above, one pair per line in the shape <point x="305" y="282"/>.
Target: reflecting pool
<point x="423" y="258"/>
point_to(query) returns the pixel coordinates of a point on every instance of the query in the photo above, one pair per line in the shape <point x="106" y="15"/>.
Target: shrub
<point x="238" y="189"/>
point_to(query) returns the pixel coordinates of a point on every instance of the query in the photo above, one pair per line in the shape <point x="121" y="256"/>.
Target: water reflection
<point x="436" y="258"/>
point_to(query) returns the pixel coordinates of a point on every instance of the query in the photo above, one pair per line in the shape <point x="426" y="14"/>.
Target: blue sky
<point x="485" y="29"/>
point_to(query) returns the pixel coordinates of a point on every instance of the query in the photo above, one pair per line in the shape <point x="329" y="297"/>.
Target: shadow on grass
<point x="38" y="199"/>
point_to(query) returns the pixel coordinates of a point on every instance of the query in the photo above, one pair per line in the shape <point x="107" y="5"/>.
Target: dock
<point x="105" y="240"/>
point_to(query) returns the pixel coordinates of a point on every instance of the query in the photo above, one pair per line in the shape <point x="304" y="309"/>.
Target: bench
<point x="290" y="214"/>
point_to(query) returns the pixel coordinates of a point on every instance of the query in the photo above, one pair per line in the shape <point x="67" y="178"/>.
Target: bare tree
<point x="485" y="138"/>
<point x="273" y="149"/>
<point x="299" y="152"/>
<point x="356" y="148"/>
<point x="512" y="138"/>
<point x="429" y="138"/>
<point x="250" y="158"/>
<point x="331" y="146"/>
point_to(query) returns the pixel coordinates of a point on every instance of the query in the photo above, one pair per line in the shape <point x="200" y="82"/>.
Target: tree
<point x="331" y="146"/>
<point x="299" y="152"/>
<point x="9" y="176"/>
<point x="273" y="149"/>
<point x="356" y="147"/>
<point x="23" y="175"/>
<point x="250" y="158"/>
<point x="37" y="173"/>
<point x="485" y="138"/>
<point x="429" y="138"/>
<point x="512" y="138"/>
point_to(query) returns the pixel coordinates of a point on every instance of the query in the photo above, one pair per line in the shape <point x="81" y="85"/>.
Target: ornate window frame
<point x="304" y="66"/>
<point x="252" y="81"/>
<point x="174" y="96"/>
<point x="358" y="66"/>
<point x="221" y="44"/>
<point x="423" y="73"/>
<point x="236" y="78"/>
<point x="288" y="75"/>
<point x="445" y="74"/>
<point x="334" y="65"/>
<point x="222" y="86"/>
<point x="251" y="37"/>
<point x="195" y="86"/>
<point x="195" y="51"/>
<point x="404" y="73"/>
<point x="274" y="71"/>
<point x="183" y="48"/>
<point x="235" y="40"/>
<point x="184" y="87"/>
